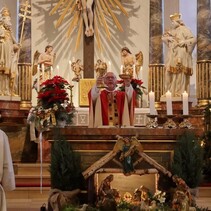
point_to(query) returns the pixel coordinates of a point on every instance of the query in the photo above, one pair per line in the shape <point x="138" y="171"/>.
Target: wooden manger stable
<point x="98" y="156"/>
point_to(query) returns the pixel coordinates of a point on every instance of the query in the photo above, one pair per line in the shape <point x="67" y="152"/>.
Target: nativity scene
<point x="99" y="114"/>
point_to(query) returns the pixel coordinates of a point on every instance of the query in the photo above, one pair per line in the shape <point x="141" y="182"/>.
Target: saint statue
<point x="131" y="65"/>
<point x="77" y="68"/>
<point x="179" y="66"/>
<point x="128" y="61"/>
<point x="8" y="55"/>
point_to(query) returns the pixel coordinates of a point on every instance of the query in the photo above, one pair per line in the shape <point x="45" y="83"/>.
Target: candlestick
<point x="121" y="69"/>
<point x="57" y="70"/>
<point x="185" y="103"/>
<point x="134" y="70"/>
<point x="70" y="71"/>
<point x="38" y="78"/>
<point x="141" y="74"/>
<point x="50" y="72"/>
<point x="109" y="66"/>
<point x="43" y="70"/>
<point x="152" y="102"/>
<point x="169" y="103"/>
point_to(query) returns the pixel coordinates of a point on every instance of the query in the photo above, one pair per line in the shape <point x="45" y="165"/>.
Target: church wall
<point x="135" y="36"/>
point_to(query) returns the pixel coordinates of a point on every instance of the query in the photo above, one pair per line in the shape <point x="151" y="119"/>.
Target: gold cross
<point x="25" y="8"/>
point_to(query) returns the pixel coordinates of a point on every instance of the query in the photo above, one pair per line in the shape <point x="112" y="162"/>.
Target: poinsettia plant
<point x="53" y="103"/>
<point x="53" y="91"/>
<point x="136" y="84"/>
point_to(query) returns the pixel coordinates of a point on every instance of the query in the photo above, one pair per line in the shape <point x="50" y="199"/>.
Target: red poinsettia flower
<point x="136" y="84"/>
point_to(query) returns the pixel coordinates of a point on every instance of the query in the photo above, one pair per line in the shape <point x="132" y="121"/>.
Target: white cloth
<point x="7" y="177"/>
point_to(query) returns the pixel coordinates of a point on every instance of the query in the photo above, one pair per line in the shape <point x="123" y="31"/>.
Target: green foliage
<point x="207" y="155"/>
<point x="188" y="159"/>
<point x="124" y="206"/>
<point x="65" y="167"/>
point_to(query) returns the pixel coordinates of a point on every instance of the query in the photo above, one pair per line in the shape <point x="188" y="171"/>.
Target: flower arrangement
<point x="136" y="84"/>
<point x="53" y="104"/>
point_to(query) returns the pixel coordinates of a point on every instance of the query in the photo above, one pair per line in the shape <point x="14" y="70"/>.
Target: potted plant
<point x="53" y="105"/>
<point x="137" y="86"/>
<point x="188" y="160"/>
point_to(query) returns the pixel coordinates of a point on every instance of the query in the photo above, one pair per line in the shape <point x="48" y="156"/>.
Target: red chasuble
<point x="100" y="112"/>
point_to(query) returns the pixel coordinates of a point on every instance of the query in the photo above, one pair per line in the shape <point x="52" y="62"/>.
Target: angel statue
<point x="131" y="65"/>
<point x="44" y="63"/>
<point x="77" y="68"/>
<point x="139" y="63"/>
<point x="100" y="68"/>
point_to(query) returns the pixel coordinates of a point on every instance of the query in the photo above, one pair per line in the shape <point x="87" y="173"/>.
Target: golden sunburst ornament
<point x="88" y="13"/>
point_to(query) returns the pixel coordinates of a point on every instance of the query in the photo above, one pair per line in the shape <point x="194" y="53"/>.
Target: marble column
<point x="203" y="30"/>
<point x="203" y="71"/>
<point x="25" y="33"/>
<point x="24" y="62"/>
<point x="155" y="49"/>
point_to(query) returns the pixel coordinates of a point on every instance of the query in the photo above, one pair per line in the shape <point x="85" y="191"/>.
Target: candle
<point x="109" y="66"/>
<point x="185" y="103"/>
<point x="50" y="73"/>
<point x="70" y="72"/>
<point x="43" y="70"/>
<point x="121" y="69"/>
<point x="134" y="69"/>
<point x="141" y="75"/>
<point x="169" y="103"/>
<point x="152" y="103"/>
<point x="73" y="59"/>
<point x="57" y="70"/>
<point x="38" y="78"/>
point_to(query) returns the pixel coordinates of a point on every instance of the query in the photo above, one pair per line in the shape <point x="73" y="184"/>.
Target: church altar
<point x="93" y="143"/>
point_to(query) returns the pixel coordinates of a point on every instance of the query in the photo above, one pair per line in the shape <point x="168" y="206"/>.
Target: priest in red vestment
<point x="110" y="106"/>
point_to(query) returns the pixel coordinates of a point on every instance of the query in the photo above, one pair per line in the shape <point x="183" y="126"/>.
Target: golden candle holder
<point x="71" y="95"/>
<point x="185" y="123"/>
<point x="170" y="124"/>
<point x="152" y="122"/>
<point x="125" y="76"/>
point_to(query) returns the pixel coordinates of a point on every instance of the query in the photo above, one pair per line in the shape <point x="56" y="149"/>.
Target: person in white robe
<point x="7" y="177"/>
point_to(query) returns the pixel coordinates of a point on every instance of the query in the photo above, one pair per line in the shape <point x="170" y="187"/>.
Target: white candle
<point x="141" y="75"/>
<point x="38" y="78"/>
<point x="70" y="72"/>
<point x="169" y="103"/>
<point x="185" y="103"/>
<point x="109" y="66"/>
<point x="152" y="103"/>
<point x="57" y="70"/>
<point x="50" y="73"/>
<point x="121" y="69"/>
<point x="134" y="70"/>
<point x="43" y="70"/>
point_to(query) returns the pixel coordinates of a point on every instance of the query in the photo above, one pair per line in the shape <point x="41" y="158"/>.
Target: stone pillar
<point x="24" y="62"/>
<point x="203" y="30"/>
<point x="203" y="71"/>
<point x="156" y="68"/>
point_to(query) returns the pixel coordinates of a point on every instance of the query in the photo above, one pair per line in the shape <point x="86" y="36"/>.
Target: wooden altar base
<point x="10" y="111"/>
<point x="94" y="143"/>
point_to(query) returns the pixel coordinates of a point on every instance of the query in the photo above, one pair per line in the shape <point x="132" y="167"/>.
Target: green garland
<point x="188" y="159"/>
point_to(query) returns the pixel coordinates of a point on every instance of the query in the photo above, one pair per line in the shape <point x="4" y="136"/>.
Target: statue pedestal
<point x="10" y="111"/>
